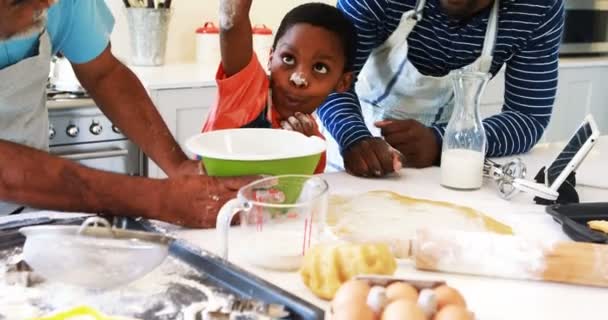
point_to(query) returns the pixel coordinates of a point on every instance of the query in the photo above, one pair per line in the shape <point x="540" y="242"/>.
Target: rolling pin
<point x="511" y="257"/>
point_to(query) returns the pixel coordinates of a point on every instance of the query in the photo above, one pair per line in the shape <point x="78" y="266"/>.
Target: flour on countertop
<point x="162" y="294"/>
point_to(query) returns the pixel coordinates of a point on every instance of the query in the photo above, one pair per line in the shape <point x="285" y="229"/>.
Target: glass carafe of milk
<point x="464" y="141"/>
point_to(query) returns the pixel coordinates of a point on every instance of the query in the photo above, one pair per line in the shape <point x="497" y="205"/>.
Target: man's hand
<point x="194" y="201"/>
<point x="372" y="157"/>
<point x="414" y="140"/>
<point x="303" y="123"/>
<point x="189" y="168"/>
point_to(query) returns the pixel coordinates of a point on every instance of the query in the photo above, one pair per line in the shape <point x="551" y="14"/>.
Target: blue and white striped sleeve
<point x="530" y="88"/>
<point x="341" y="112"/>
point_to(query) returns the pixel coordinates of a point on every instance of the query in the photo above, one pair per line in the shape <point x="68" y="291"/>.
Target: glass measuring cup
<point x="280" y="218"/>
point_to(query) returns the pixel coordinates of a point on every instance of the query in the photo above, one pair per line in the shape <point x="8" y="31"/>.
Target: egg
<point x="427" y="300"/>
<point x="403" y="309"/>
<point x="448" y="295"/>
<point x="376" y="299"/>
<point x="401" y="290"/>
<point x="353" y="292"/>
<point x="453" y="312"/>
<point x="356" y="311"/>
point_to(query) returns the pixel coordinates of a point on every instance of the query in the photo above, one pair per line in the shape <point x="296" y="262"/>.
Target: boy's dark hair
<point x="327" y="17"/>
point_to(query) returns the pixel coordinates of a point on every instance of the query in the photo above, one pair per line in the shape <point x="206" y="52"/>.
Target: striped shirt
<point x="528" y="39"/>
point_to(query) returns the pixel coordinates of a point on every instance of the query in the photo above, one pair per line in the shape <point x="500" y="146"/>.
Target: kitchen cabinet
<point x="582" y="89"/>
<point x="184" y="111"/>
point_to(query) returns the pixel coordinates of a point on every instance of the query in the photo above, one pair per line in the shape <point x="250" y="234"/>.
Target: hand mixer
<point x="510" y="180"/>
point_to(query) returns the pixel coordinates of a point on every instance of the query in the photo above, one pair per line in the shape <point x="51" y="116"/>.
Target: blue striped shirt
<point x="529" y="35"/>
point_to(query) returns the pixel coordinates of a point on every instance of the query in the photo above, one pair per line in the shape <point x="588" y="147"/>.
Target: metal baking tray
<point x="212" y="269"/>
<point x="574" y="218"/>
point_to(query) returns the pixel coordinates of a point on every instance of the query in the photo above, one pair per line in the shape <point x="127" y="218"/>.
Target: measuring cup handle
<point x="222" y="225"/>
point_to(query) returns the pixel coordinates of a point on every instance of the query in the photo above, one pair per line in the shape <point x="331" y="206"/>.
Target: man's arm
<point x="363" y="154"/>
<point x="530" y="88"/>
<point x="38" y="179"/>
<point x="341" y="112"/>
<point x="121" y="96"/>
<point x="236" y="40"/>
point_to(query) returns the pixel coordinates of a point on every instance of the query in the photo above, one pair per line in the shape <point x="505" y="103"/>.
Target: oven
<point x="80" y="132"/>
<point x="585" y="28"/>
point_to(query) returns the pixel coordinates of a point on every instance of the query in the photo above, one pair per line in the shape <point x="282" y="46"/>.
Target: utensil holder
<point x="148" y="30"/>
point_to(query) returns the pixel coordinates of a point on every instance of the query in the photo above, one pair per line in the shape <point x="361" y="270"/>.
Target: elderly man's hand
<point x="415" y="141"/>
<point x="194" y="201"/>
<point x="372" y="157"/>
<point x="189" y="168"/>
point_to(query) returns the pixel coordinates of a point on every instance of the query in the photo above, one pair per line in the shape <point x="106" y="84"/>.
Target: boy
<point x="311" y="57"/>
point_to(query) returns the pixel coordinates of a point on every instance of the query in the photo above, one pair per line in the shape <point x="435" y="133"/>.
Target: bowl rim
<point x="318" y="146"/>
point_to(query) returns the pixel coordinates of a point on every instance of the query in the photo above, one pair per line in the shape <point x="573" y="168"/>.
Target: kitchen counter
<point x="489" y="298"/>
<point x="187" y="75"/>
<point x="583" y="62"/>
<point x="176" y="76"/>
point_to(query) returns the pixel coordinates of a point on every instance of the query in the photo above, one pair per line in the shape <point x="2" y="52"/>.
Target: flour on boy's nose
<point x="298" y="79"/>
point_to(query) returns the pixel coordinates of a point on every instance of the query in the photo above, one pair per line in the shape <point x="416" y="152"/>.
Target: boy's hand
<point x="303" y="123"/>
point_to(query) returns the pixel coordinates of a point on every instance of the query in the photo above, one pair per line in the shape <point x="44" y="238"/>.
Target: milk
<point x="462" y="169"/>
<point x="276" y="248"/>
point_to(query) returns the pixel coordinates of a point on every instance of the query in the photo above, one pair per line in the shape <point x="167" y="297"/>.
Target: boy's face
<point x="306" y="66"/>
<point x="22" y="18"/>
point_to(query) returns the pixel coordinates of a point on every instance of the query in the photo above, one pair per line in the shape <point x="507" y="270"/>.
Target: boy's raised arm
<point x="235" y="35"/>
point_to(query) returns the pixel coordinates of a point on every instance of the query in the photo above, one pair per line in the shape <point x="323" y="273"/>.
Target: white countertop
<point x="582" y="62"/>
<point x="187" y="75"/>
<point x="175" y="76"/>
<point x="489" y="298"/>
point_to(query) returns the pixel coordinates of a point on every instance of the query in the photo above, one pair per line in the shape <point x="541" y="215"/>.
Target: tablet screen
<point x="573" y="146"/>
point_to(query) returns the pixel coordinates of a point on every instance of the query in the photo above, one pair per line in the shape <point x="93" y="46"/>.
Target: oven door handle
<point x="95" y="154"/>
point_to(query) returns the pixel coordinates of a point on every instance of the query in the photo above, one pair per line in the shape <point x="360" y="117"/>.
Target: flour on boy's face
<point x="315" y="55"/>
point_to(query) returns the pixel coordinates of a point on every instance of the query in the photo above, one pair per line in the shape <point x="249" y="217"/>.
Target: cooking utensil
<point x="504" y="175"/>
<point x="238" y="152"/>
<point x="137" y="3"/>
<point x="280" y="217"/>
<point x="511" y="257"/>
<point x="91" y="256"/>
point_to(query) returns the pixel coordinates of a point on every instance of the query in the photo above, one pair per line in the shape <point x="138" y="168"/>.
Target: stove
<point x="79" y="131"/>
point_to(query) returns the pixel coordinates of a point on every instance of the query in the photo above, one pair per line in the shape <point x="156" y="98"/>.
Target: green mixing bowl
<point x="247" y="151"/>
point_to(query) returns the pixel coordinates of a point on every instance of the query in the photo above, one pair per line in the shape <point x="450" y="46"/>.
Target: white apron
<point x="396" y="90"/>
<point x="390" y="87"/>
<point x="23" y="113"/>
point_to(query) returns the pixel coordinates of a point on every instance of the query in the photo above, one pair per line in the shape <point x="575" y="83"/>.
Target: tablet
<point x="573" y="153"/>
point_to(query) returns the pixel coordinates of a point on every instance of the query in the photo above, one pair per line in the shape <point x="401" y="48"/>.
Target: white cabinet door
<point x="184" y="111"/>
<point x="581" y="91"/>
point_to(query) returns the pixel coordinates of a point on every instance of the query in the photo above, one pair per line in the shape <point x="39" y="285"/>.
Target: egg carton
<point x="426" y="300"/>
<point x="384" y="281"/>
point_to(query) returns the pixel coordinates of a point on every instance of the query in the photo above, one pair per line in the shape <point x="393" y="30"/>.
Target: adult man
<point x="30" y="176"/>
<point x="421" y="42"/>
